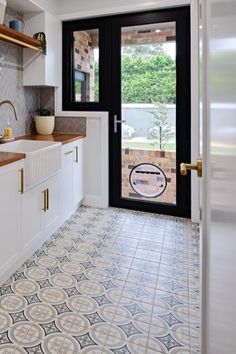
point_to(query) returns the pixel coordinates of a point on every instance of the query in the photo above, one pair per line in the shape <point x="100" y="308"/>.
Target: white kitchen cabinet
<point x="40" y="69"/>
<point x="28" y="219"/>
<point x="9" y="217"/>
<point x="78" y="170"/>
<point x="40" y="214"/>
<point x="31" y="219"/>
<point x="67" y="180"/>
<point x="51" y="217"/>
<point x="72" y="191"/>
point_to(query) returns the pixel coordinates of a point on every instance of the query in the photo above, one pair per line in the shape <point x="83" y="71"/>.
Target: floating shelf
<point x="11" y="36"/>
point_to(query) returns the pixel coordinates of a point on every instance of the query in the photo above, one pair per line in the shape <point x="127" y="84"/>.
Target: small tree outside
<point x="161" y="132"/>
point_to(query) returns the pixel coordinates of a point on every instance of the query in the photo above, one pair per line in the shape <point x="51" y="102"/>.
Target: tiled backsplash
<point x="26" y="99"/>
<point x="67" y="125"/>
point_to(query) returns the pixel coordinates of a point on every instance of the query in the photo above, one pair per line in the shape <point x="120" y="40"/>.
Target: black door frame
<point x="183" y="110"/>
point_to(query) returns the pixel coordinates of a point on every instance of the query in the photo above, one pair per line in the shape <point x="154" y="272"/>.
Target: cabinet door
<point x="78" y="181"/>
<point x="42" y="70"/>
<point x="67" y="181"/>
<point x="31" y="219"/>
<point x="9" y="218"/>
<point x="51" y="217"/>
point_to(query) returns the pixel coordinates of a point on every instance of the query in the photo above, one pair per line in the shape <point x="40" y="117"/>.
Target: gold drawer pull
<point x="44" y="200"/>
<point x="22" y="177"/>
<point x="47" y="193"/>
<point x="77" y="154"/>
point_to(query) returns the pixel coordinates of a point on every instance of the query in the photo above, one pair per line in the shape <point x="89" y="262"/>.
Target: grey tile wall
<point x="26" y="99"/>
<point x="70" y="125"/>
<point x="67" y="125"/>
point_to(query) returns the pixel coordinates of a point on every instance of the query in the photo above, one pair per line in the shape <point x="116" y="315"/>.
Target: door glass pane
<point x="86" y="66"/>
<point x="148" y="75"/>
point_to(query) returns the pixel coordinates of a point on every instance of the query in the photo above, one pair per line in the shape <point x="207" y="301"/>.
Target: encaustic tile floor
<point x="109" y="281"/>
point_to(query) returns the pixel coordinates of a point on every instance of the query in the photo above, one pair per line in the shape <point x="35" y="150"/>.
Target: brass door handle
<point x="185" y="167"/>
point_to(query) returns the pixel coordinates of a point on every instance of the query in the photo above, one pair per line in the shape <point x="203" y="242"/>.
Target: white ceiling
<point x="23" y="6"/>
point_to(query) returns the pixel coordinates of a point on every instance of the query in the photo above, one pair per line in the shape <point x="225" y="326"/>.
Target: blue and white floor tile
<point x="109" y="281"/>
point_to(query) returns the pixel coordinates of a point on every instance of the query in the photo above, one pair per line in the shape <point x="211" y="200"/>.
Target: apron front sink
<point x="43" y="158"/>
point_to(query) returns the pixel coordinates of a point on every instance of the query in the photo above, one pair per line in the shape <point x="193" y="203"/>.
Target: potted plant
<point x="44" y="120"/>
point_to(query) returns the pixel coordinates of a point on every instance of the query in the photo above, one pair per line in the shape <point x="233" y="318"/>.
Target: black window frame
<point x="68" y="28"/>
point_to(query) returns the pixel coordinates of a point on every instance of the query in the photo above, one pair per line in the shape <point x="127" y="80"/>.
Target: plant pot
<point x="44" y="124"/>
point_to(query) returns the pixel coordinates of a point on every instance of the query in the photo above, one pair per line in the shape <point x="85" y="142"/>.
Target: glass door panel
<point x="150" y="111"/>
<point x="148" y="100"/>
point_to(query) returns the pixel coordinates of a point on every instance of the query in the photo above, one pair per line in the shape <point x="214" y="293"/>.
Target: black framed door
<point x="150" y="113"/>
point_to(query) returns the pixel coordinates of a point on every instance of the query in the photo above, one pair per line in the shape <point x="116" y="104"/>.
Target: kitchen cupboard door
<point x="67" y="181"/>
<point x="78" y="170"/>
<point x="31" y="220"/>
<point x="9" y="218"/>
<point x="42" y="70"/>
<point x="51" y="217"/>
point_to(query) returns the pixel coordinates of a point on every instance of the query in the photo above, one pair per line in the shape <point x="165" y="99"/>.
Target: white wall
<point x="75" y="9"/>
<point x="26" y="6"/>
<point x="69" y="9"/>
<point x="50" y="5"/>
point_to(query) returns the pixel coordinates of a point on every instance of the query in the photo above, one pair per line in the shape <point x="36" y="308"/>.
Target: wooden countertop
<point x="60" y="138"/>
<point x="9" y="157"/>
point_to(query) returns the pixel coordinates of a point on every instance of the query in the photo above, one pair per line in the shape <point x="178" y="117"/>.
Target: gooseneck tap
<point x="12" y="105"/>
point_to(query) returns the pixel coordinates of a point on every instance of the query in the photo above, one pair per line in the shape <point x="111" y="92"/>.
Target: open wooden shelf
<point x="11" y="36"/>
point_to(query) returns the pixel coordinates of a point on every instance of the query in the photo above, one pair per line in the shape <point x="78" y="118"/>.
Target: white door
<point x="67" y="180"/>
<point x="9" y="218"/>
<point x="219" y="177"/>
<point x="78" y="183"/>
<point x="51" y="217"/>
<point x="31" y="219"/>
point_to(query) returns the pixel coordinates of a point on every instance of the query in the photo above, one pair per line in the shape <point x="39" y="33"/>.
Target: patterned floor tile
<point x="108" y="281"/>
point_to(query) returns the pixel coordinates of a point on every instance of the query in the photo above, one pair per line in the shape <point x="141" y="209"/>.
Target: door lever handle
<point x="116" y="121"/>
<point x="185" y="167"/>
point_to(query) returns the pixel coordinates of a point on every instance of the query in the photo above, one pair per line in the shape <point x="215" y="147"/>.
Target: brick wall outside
<point x="84" y="59"/>
<point x="135" y="37"/>
<point x="166" y="160"/>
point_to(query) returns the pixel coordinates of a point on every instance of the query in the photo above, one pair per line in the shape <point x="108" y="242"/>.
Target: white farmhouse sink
<point x="43" y="158"/>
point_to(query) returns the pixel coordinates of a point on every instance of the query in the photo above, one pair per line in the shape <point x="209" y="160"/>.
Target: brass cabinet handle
<point x="69" y="152"/>
<point x="185" y="167"/>
<point x="47" y="194"/>
<point x="77" y="154"/>
<point x="22" y="177"/>
<point x="45" y="200"/>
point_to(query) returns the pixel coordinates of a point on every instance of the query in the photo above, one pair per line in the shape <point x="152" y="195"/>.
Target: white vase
<point x="44" y="125"/>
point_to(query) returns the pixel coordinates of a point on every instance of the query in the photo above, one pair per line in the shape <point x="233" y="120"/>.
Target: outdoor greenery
<point x="161" y="132"/>
<point x="148" y="75"/>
